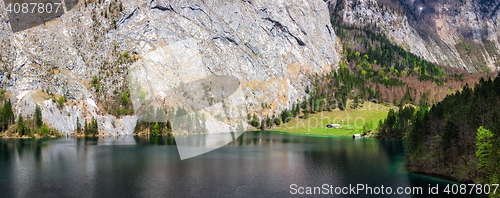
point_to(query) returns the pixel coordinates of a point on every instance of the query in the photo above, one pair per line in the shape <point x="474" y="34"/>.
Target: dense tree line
<point x="7" y="117"/>
<point x="23" y="126"/>
<point x="90" y="128"/>
<point x="458" y="137"/>
<point x="156" y="122"/>
<point x="397" y="123"/>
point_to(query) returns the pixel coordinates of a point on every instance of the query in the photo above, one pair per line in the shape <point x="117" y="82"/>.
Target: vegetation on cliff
<point x="10" y="126"/>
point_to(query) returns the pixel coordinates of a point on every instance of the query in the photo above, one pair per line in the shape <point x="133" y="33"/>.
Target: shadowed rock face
<point x="268" y="46"/>
<point x="461" y="34"/>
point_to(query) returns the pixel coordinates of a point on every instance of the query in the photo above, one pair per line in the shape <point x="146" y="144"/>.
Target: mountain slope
<point x="461" y="34"/>
<point x="85" y="55"/>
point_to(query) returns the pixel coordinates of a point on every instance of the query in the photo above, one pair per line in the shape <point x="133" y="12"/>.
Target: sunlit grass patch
<point x="351" y="121"/>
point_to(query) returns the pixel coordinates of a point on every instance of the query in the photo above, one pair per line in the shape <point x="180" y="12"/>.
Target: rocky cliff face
<point x="269" y="46"/>
<point x="461" y="34"/>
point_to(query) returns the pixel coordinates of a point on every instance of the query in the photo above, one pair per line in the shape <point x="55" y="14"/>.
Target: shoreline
<point x="36" y="136"/>
<point x="438" y="176"/>
<point x="307" y="134"/>
<point x="347" y="135"/>
<point x="3" y="136"/>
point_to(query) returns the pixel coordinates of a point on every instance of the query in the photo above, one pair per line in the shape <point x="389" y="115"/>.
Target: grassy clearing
<point x="353" y="121"/>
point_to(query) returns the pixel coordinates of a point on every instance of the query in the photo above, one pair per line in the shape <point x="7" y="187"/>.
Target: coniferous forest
<point x="458" y="137"/>
<point x="372" y="69"/>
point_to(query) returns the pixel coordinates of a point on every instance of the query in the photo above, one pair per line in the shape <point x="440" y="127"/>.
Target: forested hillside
<point x="372" y="69"/>
<point x="461" y="34"/>
<point x="458" y="137"/>
<point x="397" y="75"/>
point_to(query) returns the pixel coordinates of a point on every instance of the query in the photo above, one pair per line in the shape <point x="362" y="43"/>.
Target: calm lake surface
<point x="257" y="164"/>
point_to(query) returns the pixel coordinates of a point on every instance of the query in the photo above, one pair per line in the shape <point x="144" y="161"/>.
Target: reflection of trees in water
<point x="265" y="138"/>
<point x="392" y="148"/>
<point x="11" y="147"/>
<point x="5" y="151"/>
<point x="154" y="140"/>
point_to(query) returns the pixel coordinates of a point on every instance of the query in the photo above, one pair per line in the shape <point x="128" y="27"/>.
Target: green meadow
<point x="351" y="121"/>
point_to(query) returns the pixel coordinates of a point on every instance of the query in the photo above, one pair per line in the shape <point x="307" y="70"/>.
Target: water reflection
<point x="155" y="140"/>
<point x="256" y="164"/>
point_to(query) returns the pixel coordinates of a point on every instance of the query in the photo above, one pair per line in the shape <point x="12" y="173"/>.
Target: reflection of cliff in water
<point x="197" y="144"/>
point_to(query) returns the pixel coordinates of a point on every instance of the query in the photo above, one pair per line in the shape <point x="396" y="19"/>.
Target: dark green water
<point x="258" y="164"/>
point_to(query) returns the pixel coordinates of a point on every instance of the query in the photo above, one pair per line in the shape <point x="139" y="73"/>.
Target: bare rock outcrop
<point x="270" y="46"/>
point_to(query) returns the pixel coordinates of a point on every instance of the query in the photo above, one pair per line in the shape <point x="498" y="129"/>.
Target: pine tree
<point x="94" y="127"/>
<point x="3" y="122"/>
<point x="305" y="108"/>
<point x="21" y="126"/>
<point x="269" y="122"/>
<point x="169" y="126"/>
<point x="38" y="116"/>
<point x="78" y="125"/>
<point x="341" y="104"/>
<point x="286" y="116"/>
<point x="86" y="128"/>
<point x="407" y="97"/>
<point x="8" y="114"/>
<point x="484" y="152"/>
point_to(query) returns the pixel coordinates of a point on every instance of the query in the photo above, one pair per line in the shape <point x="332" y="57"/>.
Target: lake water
<point x="257" y="164"/>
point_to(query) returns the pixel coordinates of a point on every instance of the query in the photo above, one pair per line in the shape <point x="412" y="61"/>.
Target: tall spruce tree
<point x="38" y="116"/>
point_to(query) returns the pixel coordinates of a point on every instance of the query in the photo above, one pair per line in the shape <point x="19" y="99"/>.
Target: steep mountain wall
<point x="270" y="46"/>
<point x="461" y="34"/>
